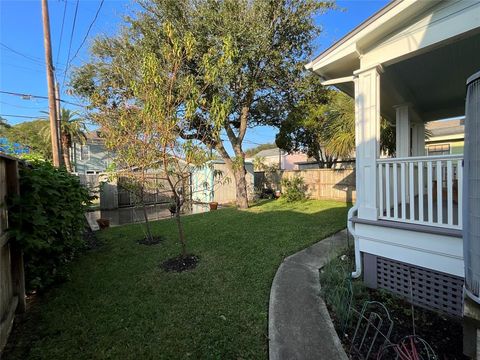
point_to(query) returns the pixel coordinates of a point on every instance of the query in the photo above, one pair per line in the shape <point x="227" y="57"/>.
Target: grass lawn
<point x="119" y="304"/>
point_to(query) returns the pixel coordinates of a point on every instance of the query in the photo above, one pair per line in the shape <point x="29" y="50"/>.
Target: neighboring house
<point x="215" y="182"/>
<point x="408" y="63"/>
<point x="446" y="137"/>
<point x="280" y="158"/>
<point x="91" y="157"/>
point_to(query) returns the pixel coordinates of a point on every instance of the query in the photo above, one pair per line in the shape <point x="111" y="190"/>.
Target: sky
<point x="22" y="54"/>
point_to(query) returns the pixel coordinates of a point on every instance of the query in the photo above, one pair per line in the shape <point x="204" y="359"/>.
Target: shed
<point x="215" y="182"/>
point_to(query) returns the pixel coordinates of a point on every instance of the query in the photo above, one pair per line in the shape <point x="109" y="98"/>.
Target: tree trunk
<point x="241" y="187"/>
<point x="66" y="153"/>
<point x="147" y="222"/>
<point x="239" y="173"/>
<point x="181" y="236"/>
<point x="144" y="208"/>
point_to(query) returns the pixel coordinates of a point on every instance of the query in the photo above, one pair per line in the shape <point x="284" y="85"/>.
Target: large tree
<point x="270" y="42"/>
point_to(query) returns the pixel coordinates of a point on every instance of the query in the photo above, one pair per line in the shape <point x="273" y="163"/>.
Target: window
<point x="443" y="149"/>
<point x="85" y="152"/>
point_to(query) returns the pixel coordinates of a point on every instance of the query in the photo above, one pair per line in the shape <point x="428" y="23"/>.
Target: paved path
<point x="299" y="326"/>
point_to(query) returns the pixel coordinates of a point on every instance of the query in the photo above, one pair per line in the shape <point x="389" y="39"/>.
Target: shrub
<point x="47" y="221"/>
<point x="294" y="189"/>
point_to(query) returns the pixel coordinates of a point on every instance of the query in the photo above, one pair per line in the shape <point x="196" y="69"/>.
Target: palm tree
<point x="339" y="135"/>
<point x="72" y="129"/>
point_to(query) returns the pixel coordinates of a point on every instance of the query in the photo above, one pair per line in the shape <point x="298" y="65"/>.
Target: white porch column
<point x="418" y="138"/>
<point x="402" y="127"/>
<point x="367" y="139"/>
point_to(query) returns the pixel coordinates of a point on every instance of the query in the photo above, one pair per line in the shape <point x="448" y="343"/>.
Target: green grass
<point x="119" y="304"/>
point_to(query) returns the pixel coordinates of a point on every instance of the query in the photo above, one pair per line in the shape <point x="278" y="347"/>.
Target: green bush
<point x="294" y="189"/>
<point x="47" y="221"/>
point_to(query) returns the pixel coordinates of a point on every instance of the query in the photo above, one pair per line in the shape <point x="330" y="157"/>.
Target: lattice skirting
<point x="425" y="287"/>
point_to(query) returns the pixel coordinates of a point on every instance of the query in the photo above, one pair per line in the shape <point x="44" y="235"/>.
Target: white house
<point x="280" y="158"/>
<point x="409" y="63"/>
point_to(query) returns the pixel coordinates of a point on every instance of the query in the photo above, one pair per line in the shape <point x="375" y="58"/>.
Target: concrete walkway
<point x="299" y="326"/>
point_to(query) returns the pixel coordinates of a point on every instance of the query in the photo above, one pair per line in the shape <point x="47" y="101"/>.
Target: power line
<point x="28" y="96"/>
<point x="70" y="44"/>
<point x="22" y="116"/>
<point x="31" y="58"/>
<point x="22" y="107"/>
<point x="88" y="31"/>
<point x="23" y="67"/>
<point x="61" y="33"/>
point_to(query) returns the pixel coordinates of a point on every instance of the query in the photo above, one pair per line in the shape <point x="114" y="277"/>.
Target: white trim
<point x="337" y="81"/>
<point x="421" y="158"/>
<point x="437" y="252"/>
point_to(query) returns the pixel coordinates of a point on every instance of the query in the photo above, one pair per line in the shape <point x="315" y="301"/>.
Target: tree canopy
<point x="266" y="43"/>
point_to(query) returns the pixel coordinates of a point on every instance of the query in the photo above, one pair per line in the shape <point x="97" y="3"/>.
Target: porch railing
<point x="423" y="190"/>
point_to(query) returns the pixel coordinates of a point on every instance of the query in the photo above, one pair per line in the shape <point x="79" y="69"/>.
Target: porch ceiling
<point x="433" y="82"/>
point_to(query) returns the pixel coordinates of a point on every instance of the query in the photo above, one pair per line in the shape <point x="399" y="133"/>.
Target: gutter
<point x="351" y="229"/>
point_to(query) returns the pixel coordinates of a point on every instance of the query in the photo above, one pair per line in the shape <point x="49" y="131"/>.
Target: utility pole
<point x="51" y="85"/>
<point x="59" y="122"/>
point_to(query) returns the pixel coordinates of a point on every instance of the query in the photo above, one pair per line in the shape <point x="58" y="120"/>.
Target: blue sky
<point x="22" y="52"/>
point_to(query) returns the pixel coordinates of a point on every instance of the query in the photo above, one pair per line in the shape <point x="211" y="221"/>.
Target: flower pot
<point x="103" y="223"/>
<point x="277" y="194"/>
<point x="213" y="205"/>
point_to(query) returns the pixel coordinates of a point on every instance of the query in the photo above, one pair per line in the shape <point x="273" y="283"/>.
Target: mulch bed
<point x="180" y="263"/>
<point x="442" y="332"/>
<point x="153" y="241"/>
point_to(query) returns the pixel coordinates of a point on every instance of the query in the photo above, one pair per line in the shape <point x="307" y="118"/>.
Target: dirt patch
<point x="180" y="263"/>
<point x="153" y="241"/>
<point x="441" y="331"/>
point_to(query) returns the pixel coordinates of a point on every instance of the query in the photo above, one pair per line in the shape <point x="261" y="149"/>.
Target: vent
<point x="430" y="289"/>
<point x="471" y="186"/>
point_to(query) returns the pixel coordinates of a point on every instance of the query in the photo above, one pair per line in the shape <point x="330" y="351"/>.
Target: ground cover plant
<point x="120" y="304"/>
<point x="442" y="332"/>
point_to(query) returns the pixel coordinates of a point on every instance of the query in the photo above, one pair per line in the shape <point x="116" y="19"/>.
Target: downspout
<point x="351" y="229"/>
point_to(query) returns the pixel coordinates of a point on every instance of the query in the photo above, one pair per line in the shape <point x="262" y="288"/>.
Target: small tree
<point x="143" y="118"/>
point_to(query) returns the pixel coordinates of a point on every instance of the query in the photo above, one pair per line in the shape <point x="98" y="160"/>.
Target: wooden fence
<point x="12" y="280"/>
<point x="322" y="184"/>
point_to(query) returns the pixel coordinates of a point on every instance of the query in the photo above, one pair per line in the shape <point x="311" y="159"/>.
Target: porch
<point x="408" y="64"/>
<point x="423" y="190"/>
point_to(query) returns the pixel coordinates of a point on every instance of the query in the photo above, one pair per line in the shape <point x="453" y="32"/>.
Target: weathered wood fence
<point x="12" y="279"/>
<point x="322" y="184"/>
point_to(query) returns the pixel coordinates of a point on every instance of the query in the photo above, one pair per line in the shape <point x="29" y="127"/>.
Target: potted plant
<point x="103" y="223"/>
<point x="213" y="205"/>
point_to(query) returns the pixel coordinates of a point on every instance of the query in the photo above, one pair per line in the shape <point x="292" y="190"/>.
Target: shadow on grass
<point x="120" y="304"/>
